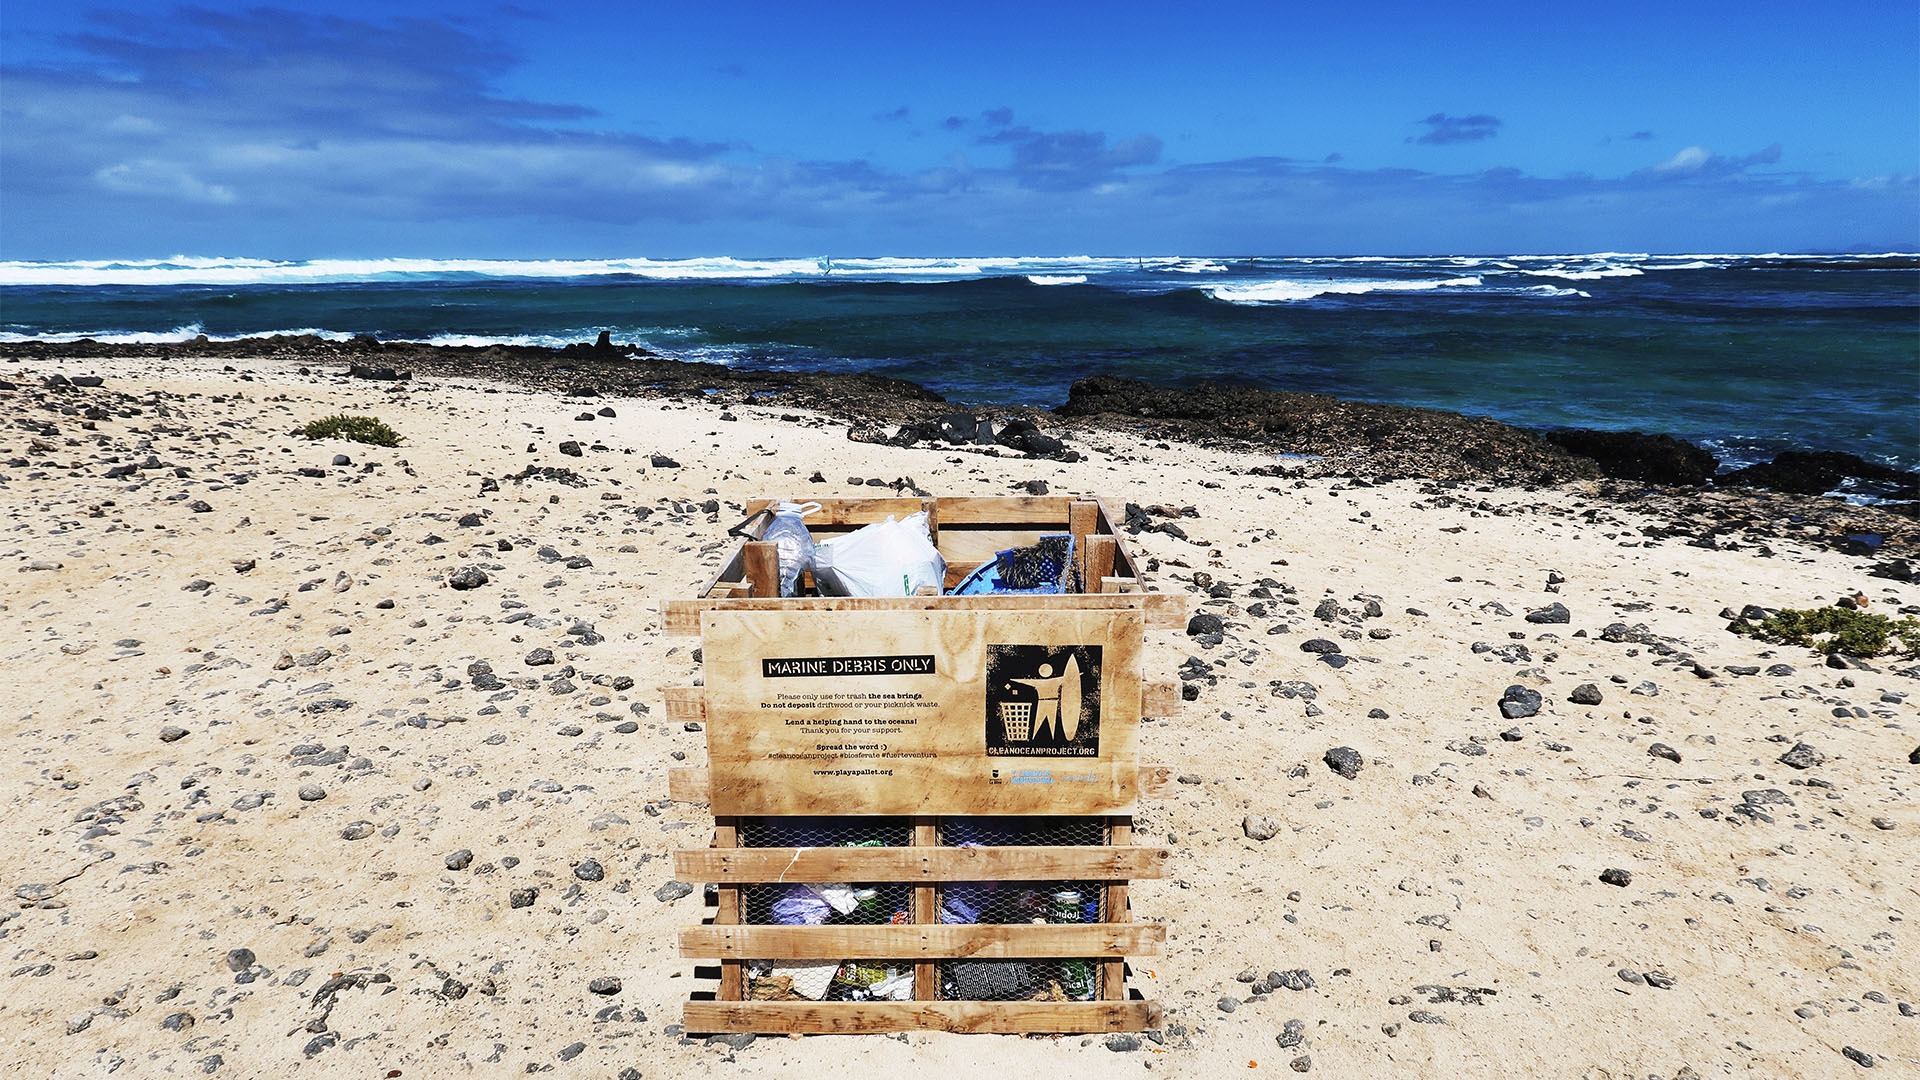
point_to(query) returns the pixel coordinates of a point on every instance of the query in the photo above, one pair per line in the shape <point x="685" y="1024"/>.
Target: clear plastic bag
<point x="888" y="558"/>
<point x="789" y="534"/>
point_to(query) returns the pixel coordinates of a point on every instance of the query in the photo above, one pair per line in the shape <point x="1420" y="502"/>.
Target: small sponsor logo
<point x="1033" y="776"/>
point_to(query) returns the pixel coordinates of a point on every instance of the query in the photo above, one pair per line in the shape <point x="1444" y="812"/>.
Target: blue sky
<point x="356" y="129"/>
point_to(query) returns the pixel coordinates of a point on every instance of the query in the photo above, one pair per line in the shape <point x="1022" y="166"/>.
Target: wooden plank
<point x="686" y="702"/>
<point x="1117" y="862"/>
<point x="960" y="1017"/>
<point x="733" y="973"/>
<point x="1111" y="518"/>
<point x="914" y="718"/>
<point x="1083" y="519"/>
<point x="763" y="568"/>
<point x="693" y="784"/>
<point x="1101" y="551"/>
<point x="835" y="512"/>
<point x="1113" y="973"/>
<point x="1014" y="941"/>
<point x="1156" y="781"/>
<point x="1008" y="510"/>
<point x="728" y="570"/>
<point x="1120" y="585"/>
<point x="1159" y="699"/>
<point x="926" y="910"/>
<point x="1163" y="610"/>
<point x="957" y="571"/>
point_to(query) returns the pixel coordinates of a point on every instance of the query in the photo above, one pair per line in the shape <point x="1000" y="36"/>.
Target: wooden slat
<point x="847" y="511"/>
<point x="689" y="784"/>
<point x="1113" y="973"/>
<point x="961" y="1017"/>
<point x="763" y="568"/>
<point x="1111" y="517"/>
<point x="1156" y="781"/>
<point x="1159" y="699"/>
<point x="1014" y="941"/>
<point x="1163" y="610"/>
<point x="733" y="973"/>
<point x="1083" y="520"/>
<point x="957" y="571"/>
<point x="1120" y="585"/>
<point x="686" y="702"/>
<point x="931" y="863"/>
<point x="693" y="784"/>
<point x="1099" y="565"/>
<point x="926" y="910"/>
<point x="727" y="571"/>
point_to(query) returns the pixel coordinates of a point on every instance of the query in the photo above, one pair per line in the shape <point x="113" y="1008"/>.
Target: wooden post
<point x="1083" y="518"/>
<point x="733" y="973"/>
<point x="763" y="568"/>
<point x="1113" y="973"/>
<point x="1099" y="565"/>
<point x="926" y="909"/>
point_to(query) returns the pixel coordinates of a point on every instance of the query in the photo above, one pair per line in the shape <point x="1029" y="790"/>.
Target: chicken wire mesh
<point x="978" y="902"/>
<point x="1022" y="831"/>
<point x="1020" y="980"/>
<point x="829" y="980"/>
<point x="826" y="903"/>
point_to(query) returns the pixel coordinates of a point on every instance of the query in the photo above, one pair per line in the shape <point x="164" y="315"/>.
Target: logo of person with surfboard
<point x="1043" y="701"/>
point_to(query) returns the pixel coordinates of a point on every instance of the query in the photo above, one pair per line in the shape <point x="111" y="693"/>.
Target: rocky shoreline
<point x="1316" y="435"/>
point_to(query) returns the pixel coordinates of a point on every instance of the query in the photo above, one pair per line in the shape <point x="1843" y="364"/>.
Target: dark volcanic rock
<point x="1818" y="472"/>
<point x="1344" y="760"/>
<point x="1399" y="441"/>
<point x="1518" y="702"/>
<point x="1802" y="756"/>
<point x="1550" y="615"/>
<point x="385" y="374"/>
<point x="1205" y="623"/>
<point x="467" y="577"/>
<point x="1633" y="455"/>
<point x="1585" y="694"/>
<point x="1615" y="876"/>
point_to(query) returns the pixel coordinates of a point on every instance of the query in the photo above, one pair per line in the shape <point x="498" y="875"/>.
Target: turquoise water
<point x="1745" y="355"/>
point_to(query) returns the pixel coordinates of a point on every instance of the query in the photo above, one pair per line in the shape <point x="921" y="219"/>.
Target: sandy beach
<point x="250" y="728"/>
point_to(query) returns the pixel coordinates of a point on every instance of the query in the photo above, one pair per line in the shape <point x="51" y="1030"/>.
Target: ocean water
<point x="1745" y="354"/>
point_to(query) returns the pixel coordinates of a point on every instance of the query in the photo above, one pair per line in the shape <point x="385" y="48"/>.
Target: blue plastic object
<point x="991" y="576"/>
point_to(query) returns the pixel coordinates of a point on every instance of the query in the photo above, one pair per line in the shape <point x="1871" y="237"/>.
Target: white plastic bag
<point x="887" y="558"/>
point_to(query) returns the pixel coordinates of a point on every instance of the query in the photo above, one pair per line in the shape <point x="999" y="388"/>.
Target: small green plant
<point x="360" y="429"/>
<point x="1839" y="630"/>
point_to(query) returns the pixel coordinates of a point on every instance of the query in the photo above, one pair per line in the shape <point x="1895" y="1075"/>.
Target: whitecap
<point x="1283" y="291"/>
<point x="1057" y="279"/>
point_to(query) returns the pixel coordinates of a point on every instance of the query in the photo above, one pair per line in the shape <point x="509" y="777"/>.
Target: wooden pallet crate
<point x="944" y="713"/>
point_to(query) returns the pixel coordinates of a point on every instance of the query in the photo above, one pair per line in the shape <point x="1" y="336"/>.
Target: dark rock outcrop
<point x="1397" y="441"/>
<point x="1634" y="455"/>
<point x="1818" y="472"/>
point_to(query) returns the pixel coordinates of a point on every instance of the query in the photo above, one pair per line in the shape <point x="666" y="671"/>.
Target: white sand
<point x="1499" y="853"/>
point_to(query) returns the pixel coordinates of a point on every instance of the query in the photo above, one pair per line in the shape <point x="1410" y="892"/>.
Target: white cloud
<point x="127" y="124"/>
<point x="1686" y="162"/>
<point x="163" y="179"/>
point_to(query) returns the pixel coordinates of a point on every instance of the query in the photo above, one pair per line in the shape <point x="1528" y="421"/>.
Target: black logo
<point x="1043" y="701"/>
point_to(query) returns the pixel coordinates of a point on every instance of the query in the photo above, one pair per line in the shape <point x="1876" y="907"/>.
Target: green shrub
<point x="1844" y="630"/>
<point x="361" y="429"/>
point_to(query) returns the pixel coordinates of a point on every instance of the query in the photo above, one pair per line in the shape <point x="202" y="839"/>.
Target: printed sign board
<point x="923" y="712"/>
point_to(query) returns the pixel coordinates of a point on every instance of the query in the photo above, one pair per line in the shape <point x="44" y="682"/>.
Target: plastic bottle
<point x="789" y="533"/>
